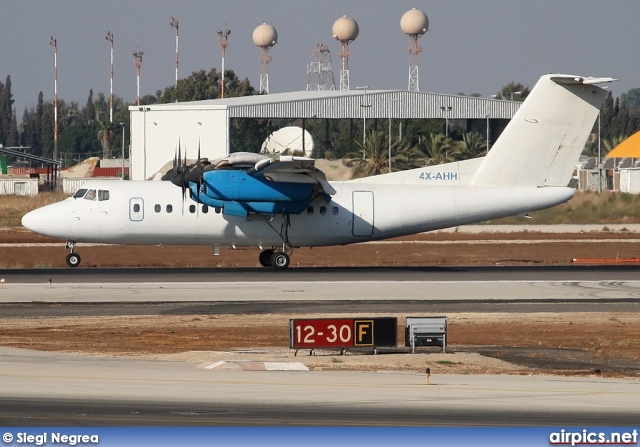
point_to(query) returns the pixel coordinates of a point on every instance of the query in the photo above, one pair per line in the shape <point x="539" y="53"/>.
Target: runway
<point x="321" y="284"/>
<point x="41" y="388"/>
<point x="55" y="389"/>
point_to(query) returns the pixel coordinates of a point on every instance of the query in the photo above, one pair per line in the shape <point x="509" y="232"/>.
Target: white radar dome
<point x="345" y="28"/>
<point x="265" y="35"/>
<point x="414" y="21"/>
<point x="288" y="139"/>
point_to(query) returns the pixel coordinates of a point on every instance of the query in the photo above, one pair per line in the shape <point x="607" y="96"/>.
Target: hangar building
<point x="157" y="130"/>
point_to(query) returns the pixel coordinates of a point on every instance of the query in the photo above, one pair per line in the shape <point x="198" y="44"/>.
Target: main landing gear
<point x="73" y="259"/>
<point x="278" y="259"/>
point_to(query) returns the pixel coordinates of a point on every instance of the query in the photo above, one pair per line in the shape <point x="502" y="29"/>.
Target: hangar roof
<point x="628" y="148"/>
<point x="395" y="104"/>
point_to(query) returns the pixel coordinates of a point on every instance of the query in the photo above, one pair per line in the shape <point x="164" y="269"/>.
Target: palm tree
<point x="106" y="134"/>
<point x="372" y="156"/>
<point x="438" y="149"/>
<point x="472" y="145"/>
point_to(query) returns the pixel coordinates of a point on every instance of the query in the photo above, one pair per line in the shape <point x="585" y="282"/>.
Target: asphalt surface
<point x="355" y="274"/>
<point x="49" y="389"/>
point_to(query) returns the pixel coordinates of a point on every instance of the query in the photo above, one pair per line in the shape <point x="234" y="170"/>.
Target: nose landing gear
<point x="73" y="259"/>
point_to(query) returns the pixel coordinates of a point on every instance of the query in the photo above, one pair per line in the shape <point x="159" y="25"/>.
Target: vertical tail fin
<point x="542" y="143"/>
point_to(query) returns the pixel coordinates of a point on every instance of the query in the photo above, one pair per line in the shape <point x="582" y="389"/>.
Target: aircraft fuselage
<point x="146" y="212"/>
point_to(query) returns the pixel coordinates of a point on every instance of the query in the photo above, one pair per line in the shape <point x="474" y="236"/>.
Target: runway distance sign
<point x="342" y="333"/>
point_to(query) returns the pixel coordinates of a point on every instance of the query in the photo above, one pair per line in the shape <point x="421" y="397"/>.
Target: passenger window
<point x="91" y="195"/>
<point x="169" y="208"/>
<point x="192" y="209"/>
<point x="157" y="208"/>
<point x="310" y="210"/>
<point x="79" y="193"/>
<point x="323" y="210"/>
<point x="103" y="194"/>
<point x="136" y="208"/>
<point x="334" y="210"/>
<point x="205" y="209"/>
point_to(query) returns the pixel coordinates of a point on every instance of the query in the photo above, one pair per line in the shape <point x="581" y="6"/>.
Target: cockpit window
<point x="79" y="193"/>
<point x="91" y="195"/>
<point x="103" y="194"/>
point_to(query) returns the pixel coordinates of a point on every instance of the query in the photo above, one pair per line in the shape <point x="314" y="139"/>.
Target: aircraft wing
<point x="292" y="169"/>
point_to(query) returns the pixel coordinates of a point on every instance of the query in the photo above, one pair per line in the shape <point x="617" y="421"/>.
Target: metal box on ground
<point x="425" y="331"/>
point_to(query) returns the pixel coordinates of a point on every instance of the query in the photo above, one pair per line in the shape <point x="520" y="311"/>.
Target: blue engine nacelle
<point x="238" y="193"/>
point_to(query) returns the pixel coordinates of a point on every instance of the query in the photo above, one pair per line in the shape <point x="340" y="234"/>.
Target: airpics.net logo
<point x="587" y="437"/>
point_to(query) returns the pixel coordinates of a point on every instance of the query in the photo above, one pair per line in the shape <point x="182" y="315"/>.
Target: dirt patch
<point x="568" y="343"/>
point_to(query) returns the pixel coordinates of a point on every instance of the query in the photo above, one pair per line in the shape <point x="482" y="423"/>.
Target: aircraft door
<point x="363" y="217"/>
<point x="136" y="209"/>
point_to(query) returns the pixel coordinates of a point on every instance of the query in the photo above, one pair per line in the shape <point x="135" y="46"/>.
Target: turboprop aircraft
<point x="284" y="202"/>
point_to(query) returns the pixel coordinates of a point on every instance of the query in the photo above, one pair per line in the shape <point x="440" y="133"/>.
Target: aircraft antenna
<point x="345" y="30"/>
<point x="414" y="23"/>
<point x="223" y="40"/>
<point x="320" y="71"/>
<point x="265" y="36"/>
<point x="137" y="60"/>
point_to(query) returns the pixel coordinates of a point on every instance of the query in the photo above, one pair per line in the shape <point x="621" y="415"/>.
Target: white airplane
<point x="285" y="202"/>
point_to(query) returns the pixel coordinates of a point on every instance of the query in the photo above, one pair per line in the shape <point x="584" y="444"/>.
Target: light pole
<point x="109" y="37"/>
<point x="446" y="118"/>
<point x="54" y="43"/>
<point x="144" y="142"/>
<point x="137" y="61"/>
<point x="489" y="126"/>
<point x="516" y="93"/>
<point x="122" y="125"/>
<point x="365" y="104"/>
<point x="175" y="24"/>
<point x="390" y="101"/>
<point x="223" y="41"/>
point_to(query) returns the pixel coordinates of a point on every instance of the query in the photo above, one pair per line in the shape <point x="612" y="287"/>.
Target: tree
<point x="89" y="110"/>
<point x="472" y="145"/>
<point x="372" y="157"/>
<point x="508" y="92"/>
<point x="106" y="134"/>
<point x="79" y="141"/>
<point x="632" y="98"/>
<point x="8" y="123"/>
<point x="438" y="149"/>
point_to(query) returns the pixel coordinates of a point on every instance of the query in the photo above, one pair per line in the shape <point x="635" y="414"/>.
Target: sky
<point x="472" y="46"/>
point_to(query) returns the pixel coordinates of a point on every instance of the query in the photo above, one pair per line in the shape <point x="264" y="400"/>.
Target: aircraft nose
<point x="34" y="221"/>
<point x="37" y="221"/>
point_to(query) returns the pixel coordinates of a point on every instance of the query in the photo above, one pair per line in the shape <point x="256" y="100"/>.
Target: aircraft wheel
<point x="73" y="259"/>
<point x="280" y="260"/>
<point x="265" y="258"/>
